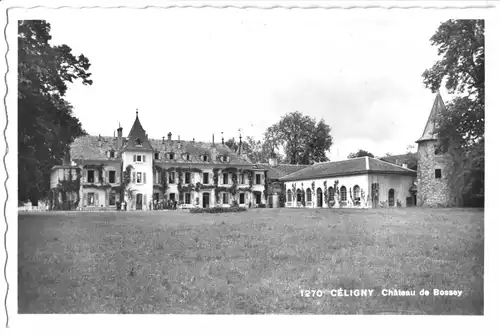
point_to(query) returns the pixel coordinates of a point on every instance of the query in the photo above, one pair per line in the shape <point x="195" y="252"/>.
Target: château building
<point x="101" y="171"/>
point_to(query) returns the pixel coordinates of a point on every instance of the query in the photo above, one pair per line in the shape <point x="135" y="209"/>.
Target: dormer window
<point x="187" y="157"/>
<point x="138" y="142"/>
<point x="225" y="158"/>
<point x="157" y="156"/>
<point x="171" y="156"/>
<point x="112" y="154"/>
<point x="204" y="158"/>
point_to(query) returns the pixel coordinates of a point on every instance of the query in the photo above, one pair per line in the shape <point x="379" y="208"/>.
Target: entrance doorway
<point x="257" y="199"/>
<point x="206" y="200"/>
<point x="319" y="198"/>
<point x="138" y="202"/>
<point x="391" y="197"/>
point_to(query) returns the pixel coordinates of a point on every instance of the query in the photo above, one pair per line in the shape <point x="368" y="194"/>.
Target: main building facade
<point x="102" y="171"/>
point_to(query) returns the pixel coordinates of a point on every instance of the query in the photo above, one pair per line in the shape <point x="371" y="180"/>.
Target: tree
<point x="360" y="153"/>
<point x="302" y="140"/>
<point x="46" y="125"/>
<point x="460" y="129"/>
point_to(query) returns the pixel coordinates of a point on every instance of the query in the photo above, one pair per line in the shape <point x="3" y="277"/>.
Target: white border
<point x="187" y="324"/>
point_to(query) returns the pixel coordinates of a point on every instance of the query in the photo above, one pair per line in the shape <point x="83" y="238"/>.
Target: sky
<point x="197" y="72"/>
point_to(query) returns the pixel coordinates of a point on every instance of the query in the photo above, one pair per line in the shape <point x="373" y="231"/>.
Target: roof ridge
<point x="393" y="164"/>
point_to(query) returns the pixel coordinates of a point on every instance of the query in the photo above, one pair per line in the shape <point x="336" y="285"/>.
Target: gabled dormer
<point x="137" y="138"/>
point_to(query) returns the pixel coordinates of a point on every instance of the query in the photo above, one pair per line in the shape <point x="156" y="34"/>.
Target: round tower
<point x="433" y="166"/>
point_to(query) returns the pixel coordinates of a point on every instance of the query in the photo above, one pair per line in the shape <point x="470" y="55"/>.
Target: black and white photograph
<point x="233" y="160"/>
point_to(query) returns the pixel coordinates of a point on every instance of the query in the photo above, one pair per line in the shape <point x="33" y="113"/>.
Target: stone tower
<point x="433" y="166"/>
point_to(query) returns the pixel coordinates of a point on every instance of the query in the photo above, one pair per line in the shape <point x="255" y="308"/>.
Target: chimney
<point x="169" y="135"/>
<point x="405" y="165"/>
<point x="99" y="141"/>
<point x="193" y="140"/>
<point x="119" y="139"/>
<point x="213" y="140"/>
<point x="162" y="140"/>
<point x="222" y="140"/>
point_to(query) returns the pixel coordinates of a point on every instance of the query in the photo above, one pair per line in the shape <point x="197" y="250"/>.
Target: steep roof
<point x="137" y="137"/>
<point x="96" y="148"/>
<point x="89" y="147"/>
<point x="437" y="109"/>
<point x="196" y="149"/>
<point x="354" y="166"/>
<point x="278" y="171"/>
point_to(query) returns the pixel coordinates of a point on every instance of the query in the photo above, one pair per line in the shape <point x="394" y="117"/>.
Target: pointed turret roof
<point x="437" y="109"/>
<point x="137" y="137"/>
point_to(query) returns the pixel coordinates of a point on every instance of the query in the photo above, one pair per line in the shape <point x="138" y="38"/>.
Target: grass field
<point x="254" y="262"/>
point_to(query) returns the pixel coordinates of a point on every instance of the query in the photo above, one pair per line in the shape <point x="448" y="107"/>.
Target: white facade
<point x="353" y="191"/>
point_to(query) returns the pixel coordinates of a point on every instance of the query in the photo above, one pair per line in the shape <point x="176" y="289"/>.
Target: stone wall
<point x="432" y="191"/>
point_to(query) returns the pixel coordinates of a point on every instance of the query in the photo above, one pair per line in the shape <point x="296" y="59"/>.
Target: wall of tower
<point x="432" y="191"/>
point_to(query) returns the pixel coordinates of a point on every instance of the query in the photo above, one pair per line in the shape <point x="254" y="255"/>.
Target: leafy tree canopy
<point x="360" y="153"/>
<point x="304" y="141"/>
<point x="460" y="129"/>
<point x="46" y="125"/>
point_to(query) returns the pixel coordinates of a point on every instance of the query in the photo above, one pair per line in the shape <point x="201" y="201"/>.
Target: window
<point x="225" y="198"/>
<point x="137" y="158"/>
<point x="437" y="173"/>
<point x="112" y="199"/>
<point x="257" y="179"/>
<point x="171" y="156"/>
<point x="308" y="195"/>
<point x="157" y="156"/>
<point x="356" y="192"/>
<point x="90" y="199"/>
<point x="204" y="158"/>
<point x="187" y="198"/>
<point x="139" y="177"/>
<point x="157" y="178"/>
<point x="224" y="158"/>
<point x="205" y="178"/>
<point x="171" y="177"/>
<point x="188" y="157"/>
<point x="299" y="196"/>
<point x="138" y="142"/>
<point x="242" y="198"/>
<point x="343" y="193"/>
<point x="289" y="195"/>
<point x="112" y="154"/>
<point x="90" y="176"/>
<point x="242" y="178"/>
<point x="188" y="178"/>
<point x="225" y="178"/>
<point x="112" y="176"/>
<point x="331" y="194"/>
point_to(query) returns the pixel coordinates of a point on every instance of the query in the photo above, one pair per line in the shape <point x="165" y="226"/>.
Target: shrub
<point x="217" y="210"/>
<point x="262" y="205"/>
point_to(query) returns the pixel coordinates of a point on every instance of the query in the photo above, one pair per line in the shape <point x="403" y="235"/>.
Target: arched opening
<point x="391" y="197"/>
<point x="356" y="195"/>
<point x="331" y="194"/>
<point x="319" y="198"/>
<point x="308" y="195"/>
<point x="289" y="195"/>
<point x="299" y="196"/>
<point x="343" y="194"/>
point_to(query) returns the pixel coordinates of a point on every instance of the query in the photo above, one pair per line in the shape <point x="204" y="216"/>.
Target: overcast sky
<point x="195" y="72"/>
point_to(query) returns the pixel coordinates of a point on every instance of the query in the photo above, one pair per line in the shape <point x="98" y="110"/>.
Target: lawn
<point x="255" y="262"/>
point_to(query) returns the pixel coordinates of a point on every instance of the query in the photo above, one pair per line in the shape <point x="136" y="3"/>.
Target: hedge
<point x="217" y="210"/>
